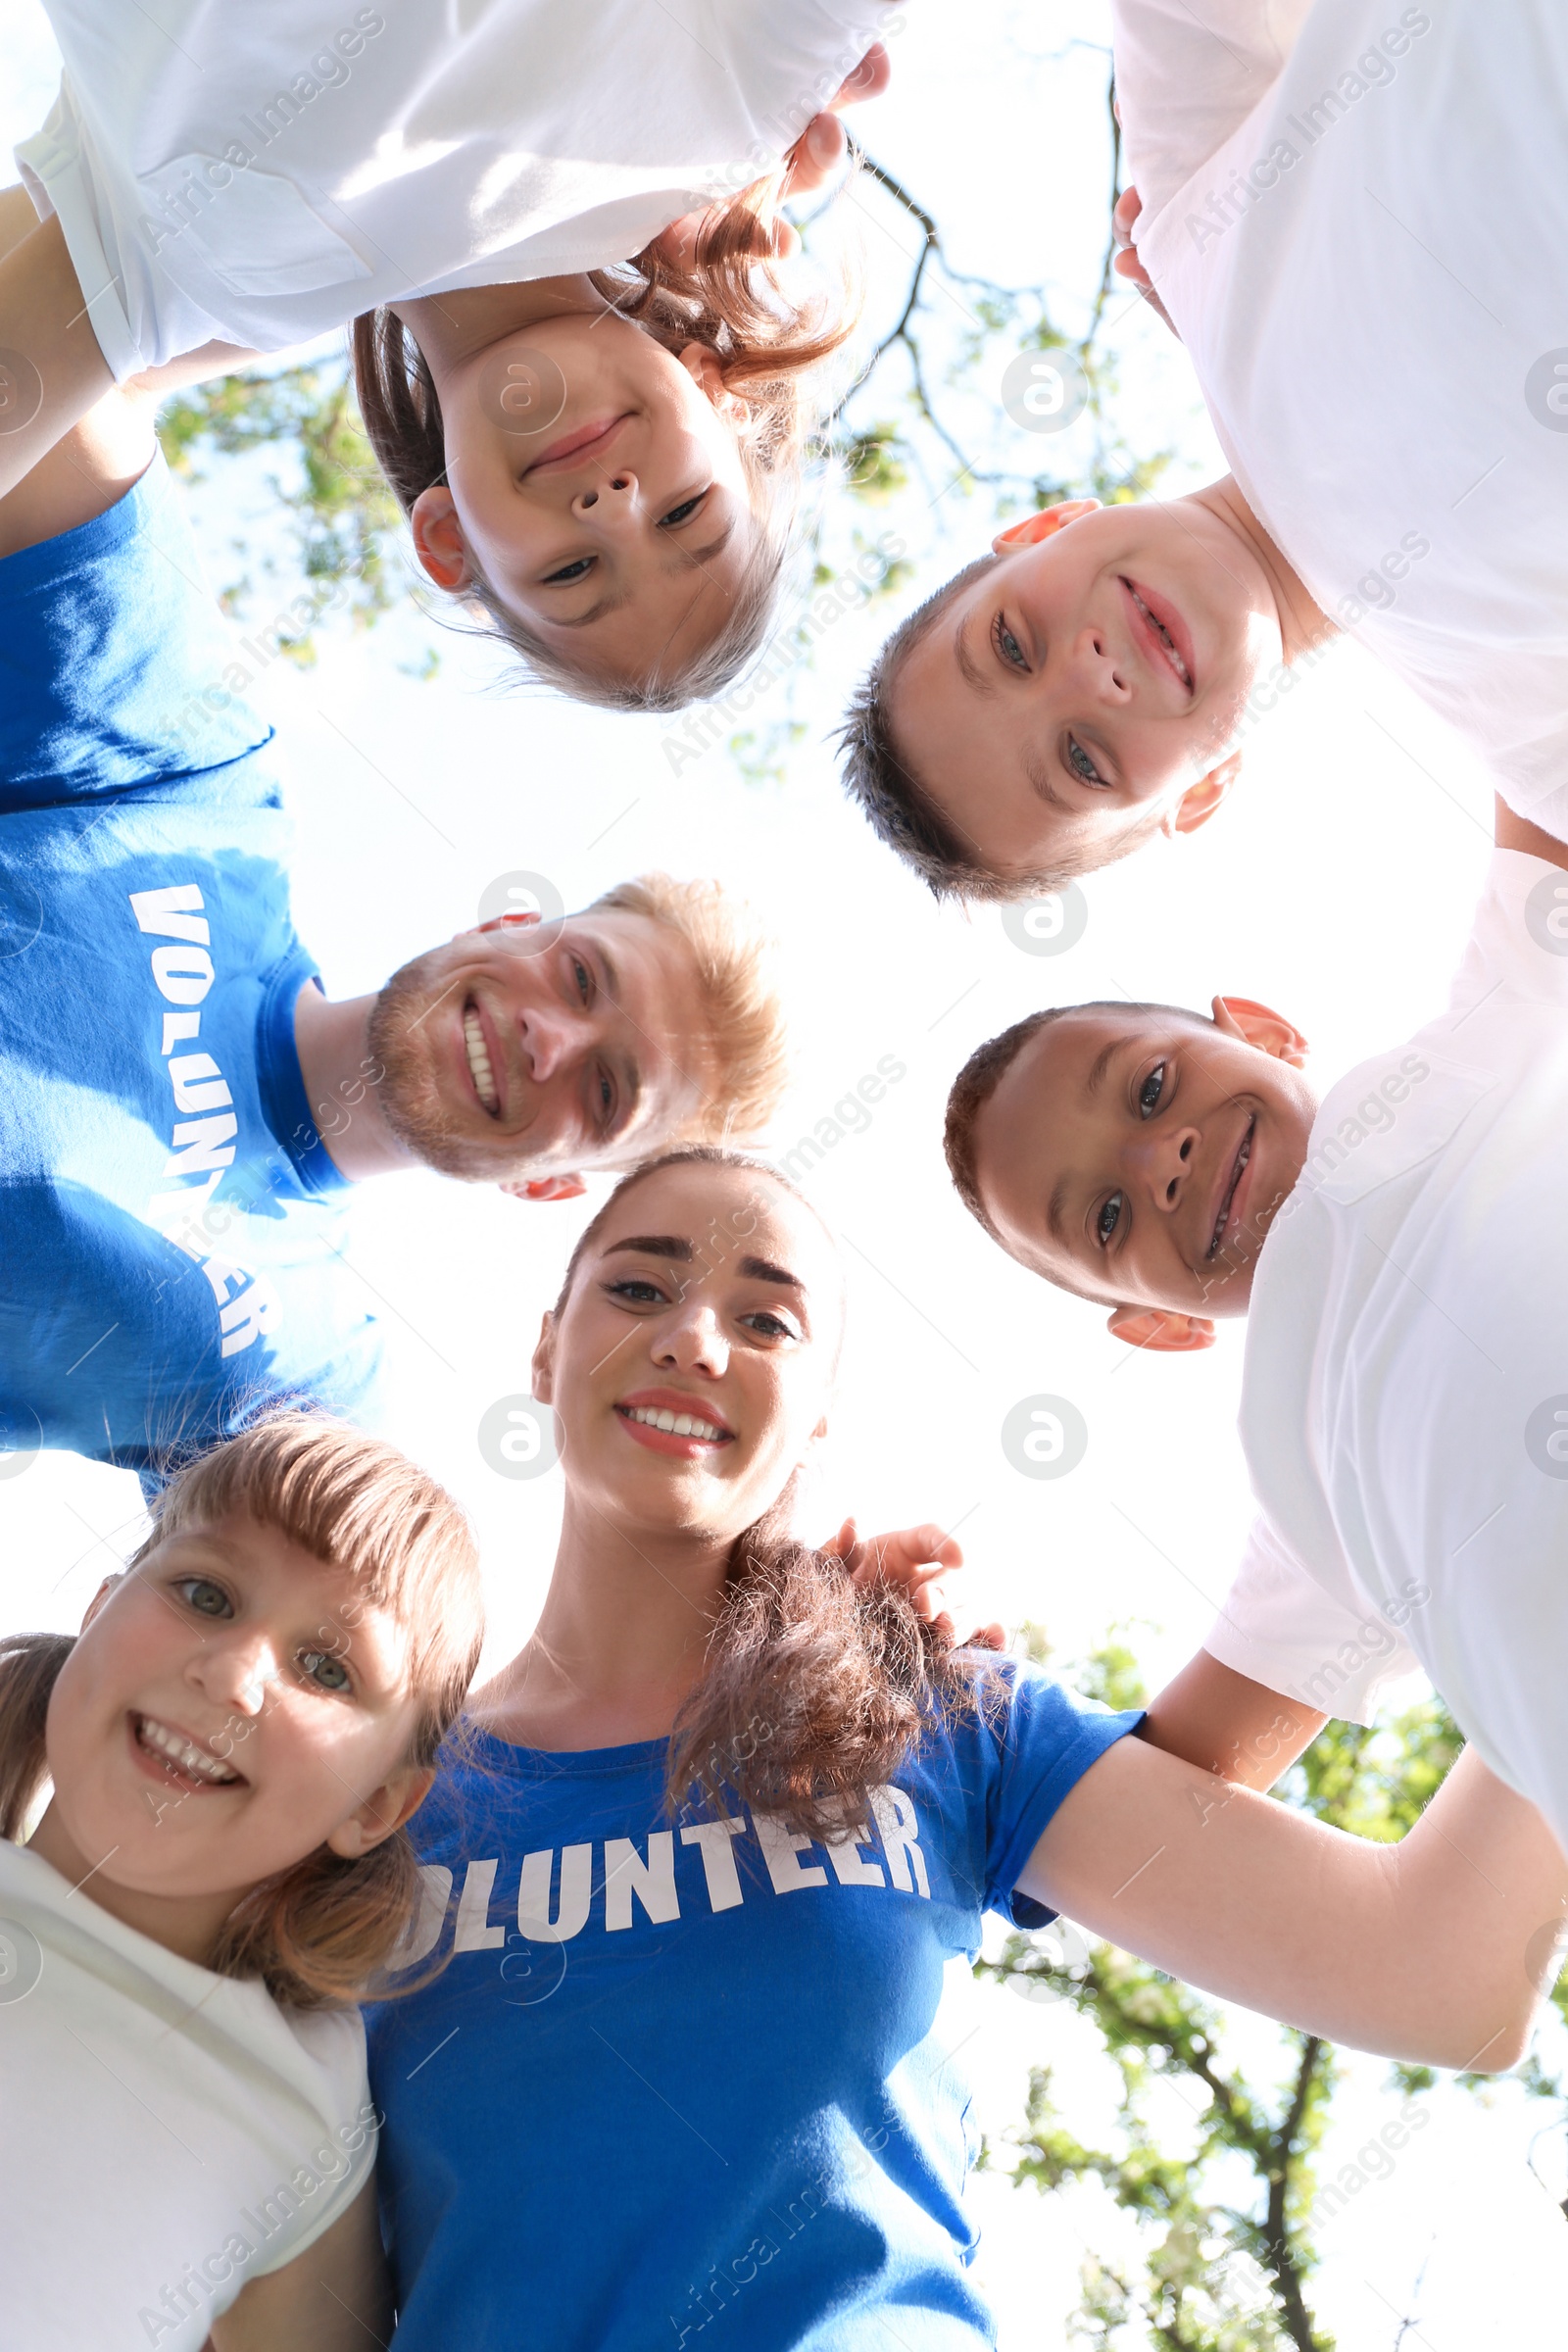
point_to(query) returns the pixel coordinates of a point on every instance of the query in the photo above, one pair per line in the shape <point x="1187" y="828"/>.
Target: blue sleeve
<point x="117" y="671"/>
<point x="1045" y="1739"/>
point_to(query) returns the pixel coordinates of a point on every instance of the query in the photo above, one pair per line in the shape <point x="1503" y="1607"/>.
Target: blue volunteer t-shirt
<point x="697" y="2095"/>
<point x="169" y="1220"/>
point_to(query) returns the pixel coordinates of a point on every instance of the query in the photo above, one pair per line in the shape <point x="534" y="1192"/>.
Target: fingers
<point x="1124" y="219"/>
<point x="870" y="79"/>
<point x="815" y="155"/>
<point x="928" y="1542"/>
<point x="821" y="146"/>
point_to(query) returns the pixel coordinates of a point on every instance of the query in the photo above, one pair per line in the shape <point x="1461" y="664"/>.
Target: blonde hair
<point x="767" y="345"/>
<point x="740" y="1006"/>
<point x="322" y="1930"/>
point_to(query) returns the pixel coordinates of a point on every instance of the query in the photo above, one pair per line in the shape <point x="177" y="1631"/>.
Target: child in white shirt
<point x="235" y="1741"/>
<point x="1354" y="213"/>
<point x="230" y="181"/>
<point x="1403" y="1255"/>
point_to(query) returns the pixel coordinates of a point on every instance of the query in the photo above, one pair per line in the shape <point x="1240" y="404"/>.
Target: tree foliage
<point x="1218" y="2271"/>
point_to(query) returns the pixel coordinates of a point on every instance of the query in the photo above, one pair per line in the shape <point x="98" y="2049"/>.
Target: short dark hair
<point x="983" y="1073"/>
<point x="901" y="812"/>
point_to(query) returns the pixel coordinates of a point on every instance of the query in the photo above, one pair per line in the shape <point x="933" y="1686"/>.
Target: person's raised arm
<point x="334" y="2297"/>
<point x="1432" y="1949"/>
<point x="92" y="466"/>
<point x="50" y="369"/>
<point x="1225" y="1722"/>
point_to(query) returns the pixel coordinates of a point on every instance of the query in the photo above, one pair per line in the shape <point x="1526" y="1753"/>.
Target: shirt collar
<point x="285" y="1106"/>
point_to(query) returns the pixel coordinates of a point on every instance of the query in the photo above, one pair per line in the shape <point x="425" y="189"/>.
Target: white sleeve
<point x="1188" y="73"/>
<point x="341" y="2162"/>
<point x="1280" y="1628"/>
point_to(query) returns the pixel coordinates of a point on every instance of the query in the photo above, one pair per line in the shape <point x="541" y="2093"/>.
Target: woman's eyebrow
<point x="763" y="1269"/>
<point x="657" y="1245"/>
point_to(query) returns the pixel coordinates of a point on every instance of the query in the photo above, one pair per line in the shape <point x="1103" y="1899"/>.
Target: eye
<point x="683" y="513"/>
<point x="636" y="1290"/>
<point x="576" y="570"/>
<point x="1149" y="1093"/>
<point x="1109" y="1219"/>
<point x="584" y="979"/>
<point x="205" y="1598"/>
<point x="1082" y="767"/>
<point x="606" y="1097"/>
<point x="325" y="1670"/>
<point x="770" y="1326"/>
<point x="1008" y="648"/>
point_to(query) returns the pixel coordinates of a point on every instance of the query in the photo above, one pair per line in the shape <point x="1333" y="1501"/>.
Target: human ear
<point x="438" y="539"/>
<point x="543" y="1187"/>
<point x="383" y="1811"/>
<point x="1199" y="801"/>
<point x="543" y="1367"/>
<point x="101" y="1596"/>
<point x="1256" y="1025"/>
<point x="1035" y="528"/>
<point x="1160" y="1329"/>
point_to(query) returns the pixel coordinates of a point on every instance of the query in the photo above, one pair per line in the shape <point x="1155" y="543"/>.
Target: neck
<point x="451" y="328"/>
<point x="620" y="1641"/>
<point x="186" y="1924"/>
<point x="332" y="1042"/>
<point x="1302" y="623"/>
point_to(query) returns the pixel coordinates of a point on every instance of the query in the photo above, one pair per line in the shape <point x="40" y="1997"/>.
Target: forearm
<point x="1224" y="1723"/>
<point x="52" y="370"/>
<point x="1416" y="1951"/>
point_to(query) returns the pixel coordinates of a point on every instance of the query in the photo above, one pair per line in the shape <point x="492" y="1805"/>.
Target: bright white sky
<point x="1338" y="886"/>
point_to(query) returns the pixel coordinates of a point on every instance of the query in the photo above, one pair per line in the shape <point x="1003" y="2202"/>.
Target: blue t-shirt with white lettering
<point x="171" y="1222"/>
<point x="681" y="2083"/>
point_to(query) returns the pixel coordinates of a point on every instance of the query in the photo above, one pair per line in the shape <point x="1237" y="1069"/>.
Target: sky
<point x="1337" y="886"/>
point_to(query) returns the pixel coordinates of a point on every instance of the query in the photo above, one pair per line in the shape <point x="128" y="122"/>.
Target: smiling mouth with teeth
<point x="1164" y="636"/>
<point x="479" y="1070"/>
<point x="173" y="1750"/>
<point x="675" y="1425"/>
<point x="1241" y="1158"/>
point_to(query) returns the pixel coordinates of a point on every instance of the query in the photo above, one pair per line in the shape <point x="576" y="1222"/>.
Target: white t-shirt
<point x="167" y="2135"/>
<point x="1356" y="215"/>
<point x="262" y="175"/>
<point x="1404" y="1401"/>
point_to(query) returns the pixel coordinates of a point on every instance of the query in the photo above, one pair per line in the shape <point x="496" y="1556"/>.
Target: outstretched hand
<point x="808" y="165"/>
<point x="1123" y="228"/>
<point x="916" y="1560"/>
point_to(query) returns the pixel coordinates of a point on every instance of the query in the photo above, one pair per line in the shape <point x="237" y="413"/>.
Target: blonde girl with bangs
<point x="554" y="228"/>
<point x="231" y="1748"/>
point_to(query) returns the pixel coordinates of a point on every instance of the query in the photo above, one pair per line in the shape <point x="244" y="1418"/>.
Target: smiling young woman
<point x="716" y="1832"/>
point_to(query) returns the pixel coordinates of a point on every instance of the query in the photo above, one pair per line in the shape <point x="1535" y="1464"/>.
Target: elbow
<point x="1482" y="2045"/>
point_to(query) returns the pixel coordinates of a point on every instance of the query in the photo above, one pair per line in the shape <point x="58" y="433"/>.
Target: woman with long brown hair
<point x="717" y="1830"/>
